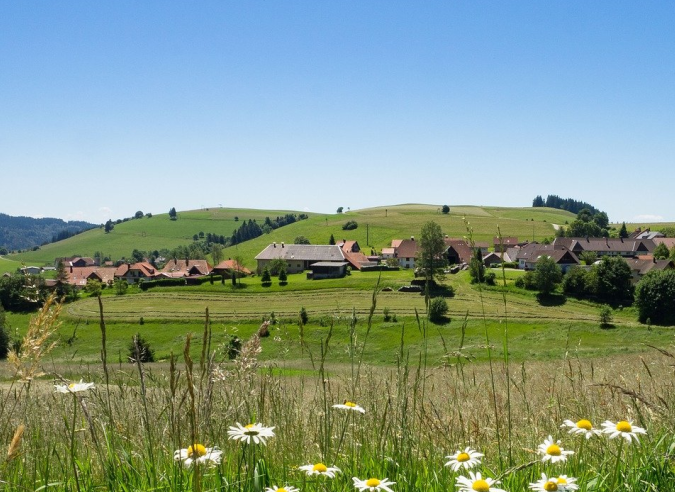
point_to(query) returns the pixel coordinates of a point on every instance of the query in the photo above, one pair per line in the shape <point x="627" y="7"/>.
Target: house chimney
<point x="71" y="268"/>
<point x="274" y="244"/>
<point x="412" y="238"/>
<point x="282" y="244"/>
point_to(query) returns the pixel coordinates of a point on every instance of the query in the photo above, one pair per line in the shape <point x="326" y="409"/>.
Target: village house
<point x="606" y="246"/>
<point x="298" y="257"/>
<point x="137" y="272"/>
<point x="640" y="266"/>
<point x="176" y="268"/>
<point x="503" y="243"/>
<point x="493" y="258"/>
<point x="79" y="276"/>
<point x="75" y="261"/>
<point x="227" y="267"/>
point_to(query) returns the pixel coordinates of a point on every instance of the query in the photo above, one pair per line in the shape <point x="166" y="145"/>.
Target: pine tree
<point x="331" y="241"/>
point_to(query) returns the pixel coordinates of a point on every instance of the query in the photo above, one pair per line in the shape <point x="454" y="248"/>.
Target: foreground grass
<point x="122" y="434"/>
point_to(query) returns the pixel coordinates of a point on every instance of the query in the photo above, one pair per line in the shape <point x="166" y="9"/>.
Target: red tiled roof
<point x="232" y="265"/>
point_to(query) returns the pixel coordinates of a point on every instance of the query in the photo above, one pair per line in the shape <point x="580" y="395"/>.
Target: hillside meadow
<point x="377" y="227"/>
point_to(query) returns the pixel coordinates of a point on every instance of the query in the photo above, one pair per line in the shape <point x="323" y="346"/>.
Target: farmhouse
<point x="606" y="246"/>
<point x="298" y="257"/>
<point x="352" y="253"/>
<point x="564" y="258"/>
<point x="457" y="251"/>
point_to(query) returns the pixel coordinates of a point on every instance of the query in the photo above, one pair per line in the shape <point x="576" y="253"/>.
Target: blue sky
<point x="110" y="108"/>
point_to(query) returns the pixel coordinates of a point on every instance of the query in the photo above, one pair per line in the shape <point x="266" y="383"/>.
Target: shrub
<point x="387" y="316"/>
<point x="303" y="316"/>
<point x="266" y="278"/>
<point x="490" y="277"/>
<point x="655" y="298"/>
<point x="438" y="308"/>
<point x="139" y="350"/>
<point x="350" y="225"/>
<point x="527" y="281"/>
<point x="606" y="316"/>
<point x="283" y="278"/>
<point x="233" y="347"/>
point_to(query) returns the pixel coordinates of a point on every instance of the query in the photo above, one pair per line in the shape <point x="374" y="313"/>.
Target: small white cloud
<point x="647" y="218"/>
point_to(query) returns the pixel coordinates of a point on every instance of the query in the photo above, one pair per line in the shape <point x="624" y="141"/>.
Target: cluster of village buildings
<point x="330" y="261"/>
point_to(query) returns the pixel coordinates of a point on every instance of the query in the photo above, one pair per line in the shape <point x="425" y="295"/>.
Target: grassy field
<point x="164" y="317"/>
<point x="377" y="227"/>
<point x="418" y="409"/>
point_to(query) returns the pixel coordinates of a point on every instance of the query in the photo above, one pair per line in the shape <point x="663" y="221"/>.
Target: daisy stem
<point x="616" y="467"/>
<point x="72" y="442"/>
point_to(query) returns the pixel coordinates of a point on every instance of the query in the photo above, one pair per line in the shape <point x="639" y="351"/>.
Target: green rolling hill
<point x="376" y="228"/>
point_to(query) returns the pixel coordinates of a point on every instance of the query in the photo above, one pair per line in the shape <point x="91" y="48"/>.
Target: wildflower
<point x="477" y="484"/>
<point x="551" y="451"/>
<point x="583" y="427"/>
<point x="562" y="483"/>
<point x="286" y="488"/>
<point x="373" y="484"/>
<point x="350" y="405"/>
<point x="252" y="432"/>
<point x="466" y="459"/>
<point x="320" y="469"/>
<point x="197" y="453"/>
<point x="73" y="387"/>
<point x="622" y="429"/>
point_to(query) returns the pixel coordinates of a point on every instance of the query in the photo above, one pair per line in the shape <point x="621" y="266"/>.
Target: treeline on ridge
<point x="569" y="204"/>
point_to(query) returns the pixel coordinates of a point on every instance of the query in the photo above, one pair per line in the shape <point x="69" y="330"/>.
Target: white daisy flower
<point x="551" y="451"/>
<point x="476" y="483"/>
<point x="285" y="488"/>
<point x="583" y="427"/>
<point x="350" y="405"/>
<point x="622" y="429"/>
<point x="73" y="387"/>
<point x="197" y="453"/>
<point x="320" y="469"/>
<point x="256" y="433"/>
<point x="562" y="483"/>
<point x="373" y="484"/>
<point x="466" y="459"/>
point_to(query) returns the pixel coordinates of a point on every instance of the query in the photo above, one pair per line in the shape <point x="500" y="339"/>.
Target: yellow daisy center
<point x="196" y="450"/>
<point x="585" y="424"/>
<point x="281" y="489"/>
<point x="71" y="385"/>
<point x="350" y="404"/>
<point x="462" y="457"/>
<point x="320" y="467"/>
<point x="553" y="450"/>
<point x="250" y="431"/>
<point x="550" y="486"/>
<point x="372" y="482"/>
<point x="561" y="481"/>
<point x="624" y="426"/>
<point x="480" y="486"/>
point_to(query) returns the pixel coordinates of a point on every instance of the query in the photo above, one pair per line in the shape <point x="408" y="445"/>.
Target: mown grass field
<point x="377" y="227"/>
<point x="164" y="316"/>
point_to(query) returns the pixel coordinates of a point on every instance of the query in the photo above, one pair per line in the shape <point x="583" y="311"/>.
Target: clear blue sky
<point x="107" y="108"/>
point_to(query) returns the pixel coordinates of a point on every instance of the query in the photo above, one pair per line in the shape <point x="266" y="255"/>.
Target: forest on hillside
<point x="28" y="232"/>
